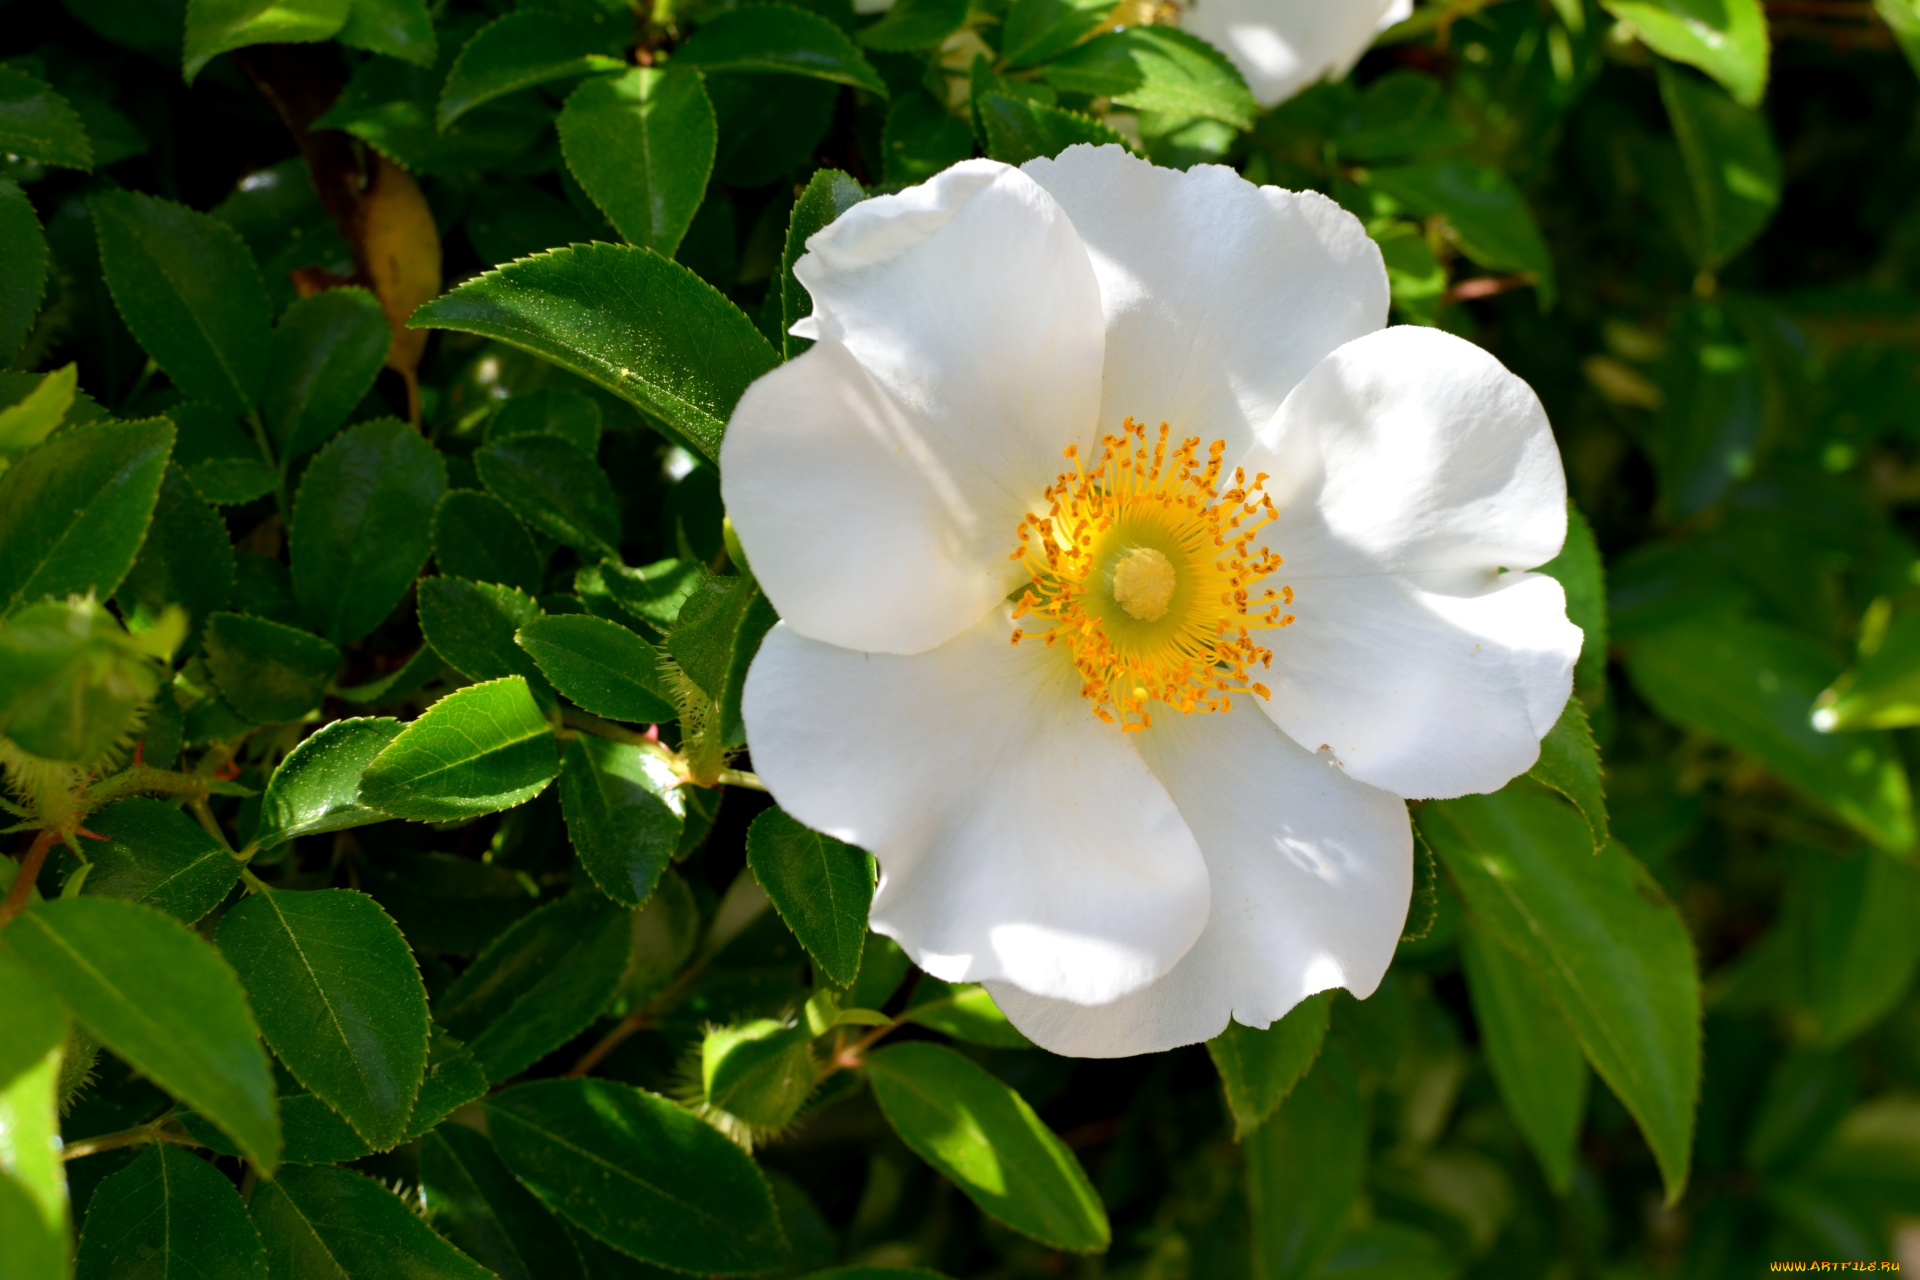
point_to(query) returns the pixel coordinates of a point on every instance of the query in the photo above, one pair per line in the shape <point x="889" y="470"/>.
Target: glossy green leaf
<point x="1578" y="570"/>
<point x="33" y="1185"/>
<point x="216" y="26"/>
<point x="1603" y="938"/>
<point x="398" y="28"/>
<point x="718" y="632"/>
<point x="31" y="419"/>
<point x="1752" y="684"/>
<point x="554" y="487"/>
<point x="1304" y="1169"/>
<point x="540" y="984"/>
<point x="222" y="460"/>
<point x="153" y="853"/>
<point x="476" y="537"/>
<point x="23" y="269"/>
<point x="187" y="286"/>
<point x="1531" y="1051"/>
<point x="519" y="50"/>
<point x="644" y="328"/>
<point x="1495" y="226"/>
<point x="821" y="888"/>
<point x="779" y="38"/>
<point x="964" y="1012"/>
<point x="1570" y="763"/>
<point x="1727" y="39"/>
<point x="326" y="352"/>
<point x="1732" y="167"/>
<point x="640" y="1173"/>
<point x="478" y="750"/>
<point x="914" y="24"/>
<point x="829" y="194"/>
<point x="339" y="999"/>
<point x="331" y="1224"/>
<point x="1018" y="131"/>
<point x="164" y="1000"/>
<point x="1036" y="30"/>
<point x="185" y="562"/>
<point x="363" y="526"/>
<point x="472" y="625"/>
<point x="475" y="1202"/>
<point x="391" y="106"/>
<point x="38" y="124"/>
<point x="317" y="787"/>
<point x="653" y="593"/>
<point x="760" y="1072"/>
<point x="1156" y="68"/>
<point x="267" y="671"/>
<point x="169" y="1214"/>
<point x="642" y="146"/>
<point x="571" y="415"/>
<point x="1259" y="1067"/>
<point x="921" y="138"/>
<point x="624" y="814"/>
<point x="986" y="1139"/>
<point x="74" y="511"/>
<point x="600" y="666"/>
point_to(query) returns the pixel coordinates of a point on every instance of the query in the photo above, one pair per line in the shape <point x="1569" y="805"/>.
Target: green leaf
<point x="267" y="671"/>
<point x="476" y="537"/>
<point x="326" y="352"/>
<point x="644" y="328"/>
<point x="447" y="903"/>
<point x="476" y="1203"/>
<point x="1531" y="1051"/>
<point x="163" y="999"/>
<point x="472" y="625"/>
<point x="759" y="1072"/>
<point x="169" y="1214"/>
<point x="74" y="511"/>
<point x="330" y="1224"/>
<point x="570" y="415"/>
<point x="771" y="125"/>
<point x="555" y="488"/>
<point x="781" y="38"/>
<point x="154" y="854"/>
<point x="1036" y="30"/>
<point x="914" y="24"/>
<point x="390" y="106"/>
<point x="720" y="628"/>
<point x="921" y="137"/>
<point x="33" y="1183"/>
<point x="187" y="286"/>
<point x="72" y="682"/>
<point x="539" y="984"/>
<point x="829" y="194"/>
<point x="639" y="1173"/>
<point x="624" y="814"/>
<point x="1488" y="213"/>
<point x="1727" y="39"/>
<point x="1156" y="68"/>
<point x="185" y="562"/>
<point x="1570" y="763"/>
<point x="478" y="750"/>
<point x="986" y="1140"/>
<point x="317" y="787"/>
<point x="1259" y="1068"/>
<point x="1903" y="18"/>
<point x="363" y="526"/>
<point x="216" y="26"/>
<point x="1304" y="1169"/>
<point x="38" y="124"/>
<point x="1732" y="167"/>
<point x="220" y="458"/>
<point x="1751" y="683"/>
<point x="519" y="50"/>
<point x="653" y="593"/>
<point x="642" y="146"/>
<point x="23" y="268"/>
<point x="398" y="28"/>
<point x="1882" y="691"/>
<point x="1018" y="131"/>
<point x="30" y="420"/>
<point x="411" y="676"/>
<point x="963" y="1012"/>
<point x="1578" y="570"/>
<point x="339" y="999"/>
<point x="1603" y="938"/>
<point x="600" y="666"/>
<point x="821" y="888"/>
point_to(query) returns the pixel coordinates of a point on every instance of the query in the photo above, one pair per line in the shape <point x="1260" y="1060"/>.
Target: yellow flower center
<point x="1143" y="569"/>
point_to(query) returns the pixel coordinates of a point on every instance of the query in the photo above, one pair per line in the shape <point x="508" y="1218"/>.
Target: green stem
<point x="143" y="780"/>
<point x="585" y="722"/>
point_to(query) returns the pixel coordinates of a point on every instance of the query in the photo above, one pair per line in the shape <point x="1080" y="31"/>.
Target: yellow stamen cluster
<point x="1145" y="571"/>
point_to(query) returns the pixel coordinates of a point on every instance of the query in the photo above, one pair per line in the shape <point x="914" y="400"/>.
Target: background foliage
<point x="361" y="926"/>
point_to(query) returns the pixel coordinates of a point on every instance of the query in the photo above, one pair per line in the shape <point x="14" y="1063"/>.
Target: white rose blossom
<point x="1131" y="574"/>
<point x="1282" y="46"/>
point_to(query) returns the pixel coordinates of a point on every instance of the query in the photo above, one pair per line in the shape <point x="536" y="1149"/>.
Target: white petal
<point x="877" y="482"/>
<point x="1219" y="295"/>
<point x="1311" y="875"/>
<point x="1282" y="46"/>
<point x="1019" y="838"/>
<point x="1416" y="478"/>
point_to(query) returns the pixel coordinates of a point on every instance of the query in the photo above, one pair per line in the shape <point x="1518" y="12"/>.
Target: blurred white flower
<point x="1282" y="46"/>
<point x="1131" y="574"/>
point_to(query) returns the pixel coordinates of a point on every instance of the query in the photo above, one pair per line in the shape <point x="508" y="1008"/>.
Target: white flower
<point x="1282" y="46"/>
<point x="1117" y="761"/>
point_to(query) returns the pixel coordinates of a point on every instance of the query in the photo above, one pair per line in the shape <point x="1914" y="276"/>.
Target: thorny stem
<point x="143" y="779"/>
<point x="29" y="872"/>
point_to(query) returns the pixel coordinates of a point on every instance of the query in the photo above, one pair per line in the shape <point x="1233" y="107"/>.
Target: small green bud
<point x="759" y="1072"/>
<point x="73" y="683"/>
